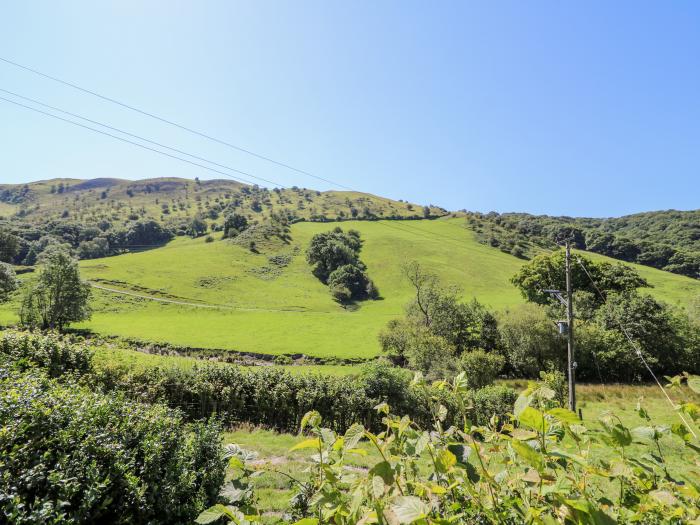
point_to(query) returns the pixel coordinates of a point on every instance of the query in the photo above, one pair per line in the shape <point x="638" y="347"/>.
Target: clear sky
<point x="587" y="108"/>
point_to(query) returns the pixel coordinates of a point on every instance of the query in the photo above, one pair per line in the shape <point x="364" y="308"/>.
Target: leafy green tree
<point x="547" y="271"/>
<point x="59" y="297"/>
<point x="197" y="227"/>
<point x="8" y="281"/>
<point x="329" y="251"/>
<point x="481" y="368"/>
<point x="463" y="325"/>
<point x="437" y="328"/>
<point x="9" y="246"/>
<point x="529" y="341"/>
<point x="351" y="282"/>
<point x="147" y="233"/>
<point x="234" y="223"/>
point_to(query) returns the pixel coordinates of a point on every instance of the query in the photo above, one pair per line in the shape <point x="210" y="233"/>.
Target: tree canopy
<point x="59" y="297"/>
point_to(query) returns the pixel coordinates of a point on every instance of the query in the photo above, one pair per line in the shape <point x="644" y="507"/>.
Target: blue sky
<point x="587" y="108"/>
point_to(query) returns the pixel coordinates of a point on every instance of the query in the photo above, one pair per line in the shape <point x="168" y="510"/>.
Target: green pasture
<point x="245" y="302"/>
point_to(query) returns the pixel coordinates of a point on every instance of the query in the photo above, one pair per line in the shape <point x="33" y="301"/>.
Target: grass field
<point x="275" y="489"/>
<point x="247" y="303"/>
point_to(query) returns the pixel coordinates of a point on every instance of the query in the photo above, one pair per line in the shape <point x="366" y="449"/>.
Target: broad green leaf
<point x="564" y="415"/>
<point x="442" y="412"/>
<point x="645" y="433"/>
<point x="409" y="509"/>
<point x="307" y="521"/>
<point x="528" y="453"/>
<point x="383" y="470"/>
<point x="664" y="497"/>
<point x="210" y="515"/>
<point x="521" y="403"/>
<point x="534" y="419"/>
<point x="307" y="443"/>
<point x="444" y="461"/>
<point x="311" y="418"/>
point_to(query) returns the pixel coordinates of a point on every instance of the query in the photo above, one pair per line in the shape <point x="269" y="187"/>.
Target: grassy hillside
<point x="240" y="300"/>
<point x="174" y="199"/>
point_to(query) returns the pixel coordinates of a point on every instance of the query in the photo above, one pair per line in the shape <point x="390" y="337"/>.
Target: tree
<point x="8" y="281"/>
<point x="59" y="297"/>
<point x="197" y="227"/>
<point x="547" y="271"/>
<point x="351" y="282"/>
<point x="329" y="251"/>
<point x="9" y="246"/>
<point x="234" y="224"/>
<point x="529" y="341"/>
<point x="147" y="233"/>
<point x="438" y="327"/>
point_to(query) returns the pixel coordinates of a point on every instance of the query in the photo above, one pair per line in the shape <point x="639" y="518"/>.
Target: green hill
<point x="170" y="200"/>
<point x="256" y="302"/>
<point x="668" y="240"/>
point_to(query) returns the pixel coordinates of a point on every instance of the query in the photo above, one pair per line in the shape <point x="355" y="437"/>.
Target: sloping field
<point x="221" y="295"/>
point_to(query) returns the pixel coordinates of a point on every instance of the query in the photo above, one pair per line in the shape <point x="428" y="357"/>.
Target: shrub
<point x="492" y="400"/>
<point x="481" y="368"/>
<point x="70" y="455"/>
<point x="8" y="281"/>
<point x="49" y="352"/>
<point x="352" y="281"/>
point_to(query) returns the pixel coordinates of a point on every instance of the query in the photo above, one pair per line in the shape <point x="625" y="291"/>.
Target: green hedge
<point x="70" y="455"/>
<point x="50" y="352"/>
<point x="266" y="396"/>
<point x="277" y="399"/>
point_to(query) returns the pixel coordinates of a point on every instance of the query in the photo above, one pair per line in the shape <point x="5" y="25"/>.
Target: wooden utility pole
<point x="570" y="330"/>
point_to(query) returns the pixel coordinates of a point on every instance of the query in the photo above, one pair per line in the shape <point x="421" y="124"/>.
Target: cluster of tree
<point x="440" y="335"/>
<point x="439" y="332"/>
<point x="23" y="243"/>
<point x="606" y="312"/>
<point x="335" y="256"/>
<point x="666" y="240"/>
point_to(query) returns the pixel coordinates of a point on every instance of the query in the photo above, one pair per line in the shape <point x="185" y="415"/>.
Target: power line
<point x="172" y="123"/>
<point x="75" y="115"/>
<point x="127" y="141"/>
<point x="638" y="350"/>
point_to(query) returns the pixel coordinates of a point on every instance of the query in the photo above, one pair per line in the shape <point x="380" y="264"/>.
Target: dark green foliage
<point x="547" y="271"/>
<point x="529" y="341"/>
<point x="351" y="282"/>
<point x="59" y="297"/>
<point x="666" y="337"/>
<point x="668" y="240"/>
<point x="234" y="223"/>
<point x="70" y="455"/>
<point x="146" y="233"/>
<point x="275" y="398"/>
<point x="331" y="250"/>
<point x="8" y="281"/>
<point x="492" y="400"/>
<point x="481" y="368"/>
<point x="197" y="227"/>
<point x="49" y="352"/>
<point x="438" y="327"/>
<point x="335" y="257"/>
<point x="9" y="246"/>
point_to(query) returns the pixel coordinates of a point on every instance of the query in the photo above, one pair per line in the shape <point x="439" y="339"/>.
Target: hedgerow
<point x="277" y="399"/>
<point x="71" y="455"/>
